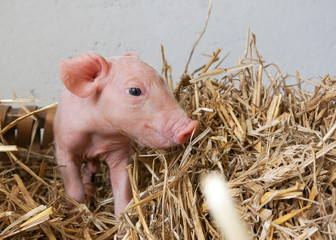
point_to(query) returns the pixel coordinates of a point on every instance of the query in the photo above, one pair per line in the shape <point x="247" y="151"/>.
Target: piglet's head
<point x="130" y="97"/>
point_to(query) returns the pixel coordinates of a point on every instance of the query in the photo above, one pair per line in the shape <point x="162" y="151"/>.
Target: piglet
<point x="105" y="105"/>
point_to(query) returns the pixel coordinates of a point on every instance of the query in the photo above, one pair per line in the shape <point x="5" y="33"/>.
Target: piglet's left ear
<point x="131" y="54"/>
<point x="83" y="75"/>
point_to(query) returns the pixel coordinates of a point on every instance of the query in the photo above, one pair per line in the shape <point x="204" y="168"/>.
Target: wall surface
<point x="37" y="34"/>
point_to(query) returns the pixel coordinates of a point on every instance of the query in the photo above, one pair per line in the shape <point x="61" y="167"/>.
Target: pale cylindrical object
<point x="222" y="207"/>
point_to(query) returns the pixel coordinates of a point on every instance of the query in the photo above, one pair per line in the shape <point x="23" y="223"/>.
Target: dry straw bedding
<point x="272" y="141"/>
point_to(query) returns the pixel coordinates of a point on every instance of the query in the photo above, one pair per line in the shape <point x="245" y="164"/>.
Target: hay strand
<point x="222" y="207"/>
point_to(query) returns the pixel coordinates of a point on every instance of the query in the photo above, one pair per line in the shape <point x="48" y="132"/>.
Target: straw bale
<point x="272" y="141"/>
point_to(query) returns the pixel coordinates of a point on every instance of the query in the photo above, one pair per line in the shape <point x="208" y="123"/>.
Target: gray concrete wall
<point x="37" y="34"/>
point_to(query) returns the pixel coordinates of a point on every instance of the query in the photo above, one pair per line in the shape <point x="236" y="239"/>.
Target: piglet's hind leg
<point x="91" y="167"/>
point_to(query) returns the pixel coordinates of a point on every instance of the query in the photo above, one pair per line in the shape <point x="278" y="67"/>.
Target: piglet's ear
<point x="83" y="75"/>
<point x="131" y="54"/>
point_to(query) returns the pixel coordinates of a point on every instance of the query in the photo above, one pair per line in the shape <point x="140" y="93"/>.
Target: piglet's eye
<point x="134" y="91"/>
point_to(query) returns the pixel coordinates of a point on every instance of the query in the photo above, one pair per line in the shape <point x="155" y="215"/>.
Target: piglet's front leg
<point x="120" y="182"/>
<point x="70" y="170"/>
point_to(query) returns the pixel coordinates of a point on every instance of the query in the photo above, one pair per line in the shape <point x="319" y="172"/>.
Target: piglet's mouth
<point x="178" y="133"/>
<point x="156" y="140"/>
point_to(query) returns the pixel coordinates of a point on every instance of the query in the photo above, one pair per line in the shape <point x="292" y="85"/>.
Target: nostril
<point x="186" y="134"/>
<point x="184" y="138"/>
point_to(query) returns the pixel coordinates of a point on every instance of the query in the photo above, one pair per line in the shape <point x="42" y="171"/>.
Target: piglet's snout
<point x="184" y="132"/>
<point x="173" y="128"/>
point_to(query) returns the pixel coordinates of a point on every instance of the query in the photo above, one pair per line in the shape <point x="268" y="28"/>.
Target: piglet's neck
<point x="87" y="112"/>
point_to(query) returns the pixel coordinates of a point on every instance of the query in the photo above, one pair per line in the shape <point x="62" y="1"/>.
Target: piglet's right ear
<point x="83" y="75"/>
<point x="131" y="54"/>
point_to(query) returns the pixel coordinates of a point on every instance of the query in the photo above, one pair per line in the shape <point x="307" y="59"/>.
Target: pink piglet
<point x="104" y="106"/>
